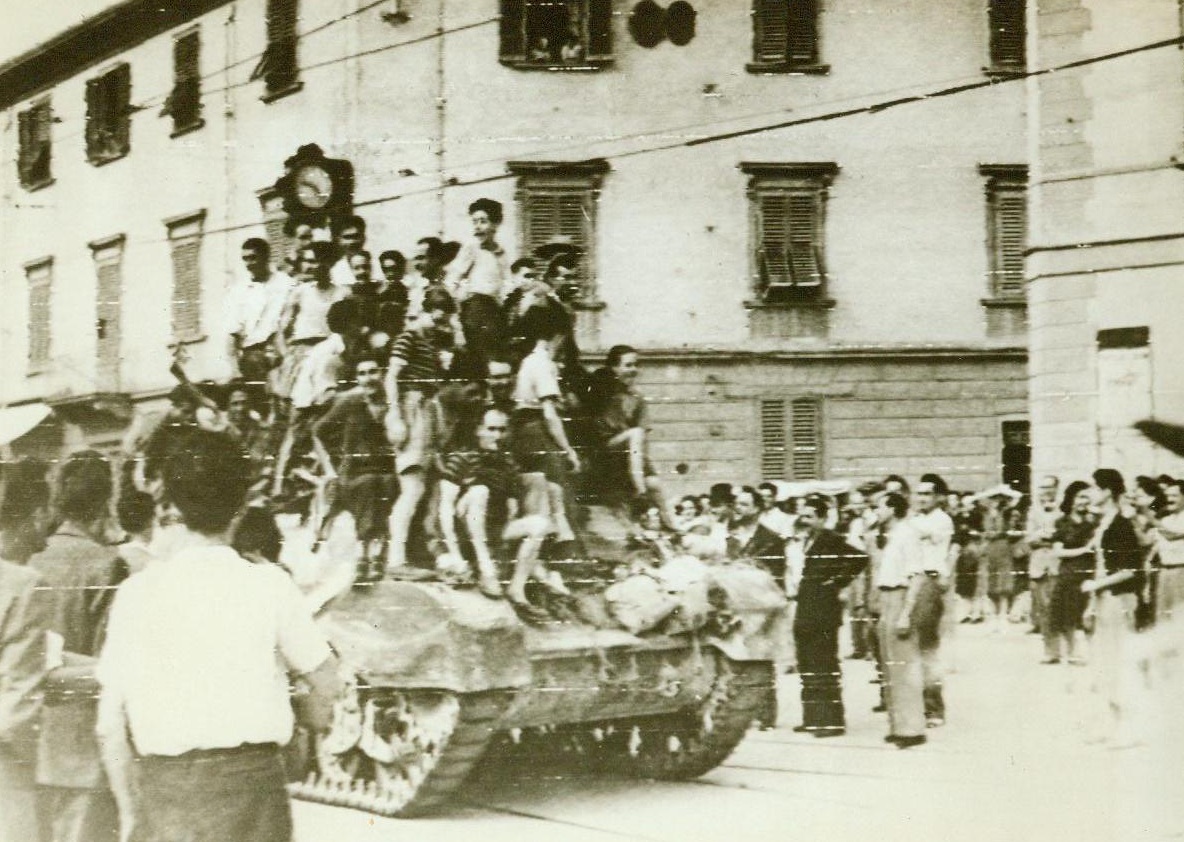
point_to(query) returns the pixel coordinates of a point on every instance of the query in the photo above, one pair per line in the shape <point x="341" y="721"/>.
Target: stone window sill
<point x="805" y="304"/>
<point x="1005" y="302"/>
<point x="785" y="67"/>
<point x="33" y="187"/>
<point x="184" y="130"/>
<point x="1004" y="73"/>
<point x="280" y="93"/>
<point x="586" y="65"/>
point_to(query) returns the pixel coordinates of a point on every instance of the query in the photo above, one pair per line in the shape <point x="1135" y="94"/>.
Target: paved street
<point x="1011" y="764"/>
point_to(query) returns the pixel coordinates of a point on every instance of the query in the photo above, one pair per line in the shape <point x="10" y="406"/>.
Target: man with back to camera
<point x="935" y="532"/>
<point x="828" y="566"/>
<point x="193" y="713"/>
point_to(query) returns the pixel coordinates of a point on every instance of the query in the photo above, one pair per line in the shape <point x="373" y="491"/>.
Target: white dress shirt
<point x="198" y="652"/>
<point x="253" y="308"/>
<point x="900" y="559"/>
<point x="935" y="531"/>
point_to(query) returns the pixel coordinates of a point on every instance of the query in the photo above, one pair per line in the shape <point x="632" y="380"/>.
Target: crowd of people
<point x="446" y="410"/>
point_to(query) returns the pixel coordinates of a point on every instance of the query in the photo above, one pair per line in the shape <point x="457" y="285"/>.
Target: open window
<point x="108" y="115"/>
<point x="556" y="34"/>
<point x="34" y="127"/>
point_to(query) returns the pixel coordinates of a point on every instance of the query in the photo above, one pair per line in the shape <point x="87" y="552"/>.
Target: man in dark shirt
<point x="478" y="499"/>
<point x="829" y="566"/>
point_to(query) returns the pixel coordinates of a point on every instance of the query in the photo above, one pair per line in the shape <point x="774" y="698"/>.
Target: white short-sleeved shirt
<point x="198" y="652"/>
<point x="935" y="531"/>
<point x="478" y="270"/>
<point x="316" y="379"/>
<point x="1171" y="553"/>
<point x="253" y="308"/>
<point x="538" y="378"/>
<point x="900" y="559"/>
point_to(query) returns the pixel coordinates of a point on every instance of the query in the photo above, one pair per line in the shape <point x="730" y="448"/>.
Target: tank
<point x="435" y="675"/>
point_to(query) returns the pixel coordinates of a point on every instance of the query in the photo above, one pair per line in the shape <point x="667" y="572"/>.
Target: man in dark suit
<point x="829" y="564"/>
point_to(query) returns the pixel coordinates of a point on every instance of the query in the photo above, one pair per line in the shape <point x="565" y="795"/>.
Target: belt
<point x="308" y="340"/>
<point x="893" y="587"/>
<point x="243" y="750"/>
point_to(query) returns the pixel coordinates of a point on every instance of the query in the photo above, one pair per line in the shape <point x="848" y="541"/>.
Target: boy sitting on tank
<point x="480" y="515"/>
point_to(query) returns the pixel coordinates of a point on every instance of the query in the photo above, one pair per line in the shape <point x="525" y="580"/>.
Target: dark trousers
<point x="818" y="665"/>
<point x="926" y="620"/>
<point x="212" y="796"/>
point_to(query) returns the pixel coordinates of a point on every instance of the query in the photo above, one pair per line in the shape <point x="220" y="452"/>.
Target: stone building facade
<point x="813" y="237"/>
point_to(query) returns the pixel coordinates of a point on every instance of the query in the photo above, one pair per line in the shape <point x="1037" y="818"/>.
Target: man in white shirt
<point x="195" y="701"/>
<point x="351" y="239"/>
<point x="253" y="310"/>
<point x="935" y="531"/>
<point x="899" y="578"/>
<point x="1170" y="593"/>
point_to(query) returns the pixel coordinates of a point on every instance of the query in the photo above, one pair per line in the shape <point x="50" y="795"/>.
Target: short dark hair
<point x="352" y="222"/>
<point x="396" y="256"/>
<point x="258" y="245"/>
<point x="818" y="504"/>
<point x="523" y="262"/>
<point x="325" y="252"/>
<point x="206" y="478"/>
<point x="439" y="299"/>
<point x="897" y="503"/>
<point x="256" y="532"/>
<point x="904" y="484"/>
<point x="1071" y="491"/>
<point x="25" y="491"/>
<point x="767" y="486"/>
<point x="939" y="484"/>
<point x="362" y="253"/>
<point x="135" y="509"/>
<point x="543" y="322"/>
<point x="295" y="222"/>
<point x="492" y="208"/>
<point x="720" y="494"/>
<point x="750" y="491"/>
<point x="84" y="487"/>
<point x="1110" y="481"/>
<point x="617" y="353"/>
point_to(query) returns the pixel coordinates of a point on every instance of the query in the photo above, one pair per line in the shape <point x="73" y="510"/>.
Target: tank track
<point x="373" y="787"/>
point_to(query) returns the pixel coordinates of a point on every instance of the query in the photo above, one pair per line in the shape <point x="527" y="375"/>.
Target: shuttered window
<point x="1008" y="34"/>
<point x="788" y="209"/>
<point x="1007" y="234"/>
<point x="278" y="67"/>
<point x="108" y="115"/>
<point x="556" y="33"/>
<point x="34" y="127"/>
<point x="791" y="438"/>
<point x="557" y="203"/>
<point x="275" y="222"/>
<point x="185" y="242"/>
<point x="108" y="258"/>
<point x="40" y="282"/>
<point x="785" y="35"/>
<point x="184" y="102"/>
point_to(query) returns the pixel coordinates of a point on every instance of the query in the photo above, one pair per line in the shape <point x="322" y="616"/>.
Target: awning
<point x="15" y="421"/>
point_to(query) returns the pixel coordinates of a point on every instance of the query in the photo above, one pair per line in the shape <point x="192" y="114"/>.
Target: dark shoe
<point x="880" y="708"/>
<point x="823" y="733"/>
<point x="891" y="738"/>
<point x="802" y="729"/>
<point x="909" y="742"/>
<point x="856" y="656"/>
<point x="1051" y="661"/>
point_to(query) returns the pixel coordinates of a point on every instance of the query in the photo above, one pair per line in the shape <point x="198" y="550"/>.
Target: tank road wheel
<point x="400" y="753"/>
<point x="685" y="745"/>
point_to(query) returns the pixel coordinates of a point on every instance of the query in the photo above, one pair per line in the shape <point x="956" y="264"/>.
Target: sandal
<point x="528" y="612"/>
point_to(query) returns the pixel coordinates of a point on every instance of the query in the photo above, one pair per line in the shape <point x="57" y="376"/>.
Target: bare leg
<point x="563" y="530"/>
<point x="531" y="529"/>
<point x="411" y="490"/>
<point x="474" y="508"/>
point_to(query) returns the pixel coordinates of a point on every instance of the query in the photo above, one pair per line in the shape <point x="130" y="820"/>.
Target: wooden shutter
<point x="803" y="239"/>
<point x="600" y="30"/>
<point x="770" y="20"/>
<point x="559" y="212"/>
<point x="95" y="118"/>
<point x="1010" y="235"/>
<point x="185" y="239"/>
<point x="773" y="257"/>
<point x="512" y="45"/>
<point x="774" y="455"/>
<point x="108" y="298"/>
<point x="806" y="434"/>
<point x="119" y="83"/>
<point x="40" y="280"/>
<point x="33" y="131"/>
<point x="279" y="61"/>
<point x="185" y="100"/>
<point x="1008" y="33"/>
<point x="274" y="222"/>
<point x="802" y="42"/>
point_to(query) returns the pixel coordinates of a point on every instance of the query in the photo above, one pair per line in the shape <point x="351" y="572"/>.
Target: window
<point x="788" y="204"/>
<point x="184" y="102"/>
<point x="1016" y="457"/>
<point x="1007" y="228"/>
<point x="185" y="240"/>
<point x="108" y="257"/>
<point x="34" y="130"/>
<point x="108" y="115"/>
<point x="572" y="34"/>
<point x="1008" y="33"/>
<point x="785" y="37"/>
<point x="557" y="201"/>
<point x="39" y="275"/>
<point x="278" y="67"/>
<point x="791" y="438"/>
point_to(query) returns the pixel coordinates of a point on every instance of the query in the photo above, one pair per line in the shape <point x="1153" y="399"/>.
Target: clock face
<point x="314" y="186"/>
